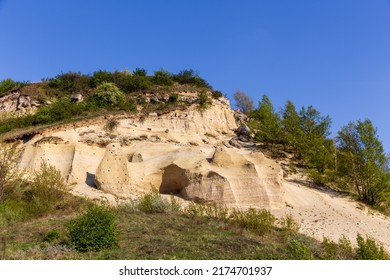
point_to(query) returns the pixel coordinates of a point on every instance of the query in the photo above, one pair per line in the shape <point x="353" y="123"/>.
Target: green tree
<point x="267" y="122"/>
<point x="291" y="124"/>
<point x="314" y="146"/>
<point x="363" y="161"/>
<point x="243" y="102"/>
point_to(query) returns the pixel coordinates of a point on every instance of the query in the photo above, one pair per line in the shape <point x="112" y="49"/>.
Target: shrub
<point x="109" y="94"/>
<point x="189" y="77"/>
<point x="162" y="77"/>
<point x="298" y="250"/>
<point x="369" y="250"/>
<point x="203" y="100"/>
<point x="217" y="94"/>
<point x="259" y="221"/>
<point x="173" y="98"/>
<point x="10" y="176"/>
<point x="345" y="248"/>
<point x="94" y="230"/>
<point x="153" y="202"/>
<point x="6" y="85"/>
<point x="47" y="190"/>
<point x="100" y="77"/>
<point x="140" y="72"/>
<point x="331" y="249"/>
<point x="70" y="82"/>
<point x="288" y="223"/>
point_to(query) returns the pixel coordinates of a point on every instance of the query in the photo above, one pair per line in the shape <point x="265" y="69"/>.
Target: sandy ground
<point x="324" y="213"/>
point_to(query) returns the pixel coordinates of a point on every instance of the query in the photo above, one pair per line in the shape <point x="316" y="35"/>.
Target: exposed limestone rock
<point x="112" y="175"/>
<point x="221" y="157"/>
<point x="195" y="185"/>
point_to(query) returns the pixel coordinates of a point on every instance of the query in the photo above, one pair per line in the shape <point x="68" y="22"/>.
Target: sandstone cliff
<point x="184" y="153"/>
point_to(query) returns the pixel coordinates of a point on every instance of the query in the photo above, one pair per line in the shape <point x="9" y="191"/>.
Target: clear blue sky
<point x="332" y="54"/>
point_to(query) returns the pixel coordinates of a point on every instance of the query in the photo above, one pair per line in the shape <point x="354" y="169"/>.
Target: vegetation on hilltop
<point x="101" y="91"/>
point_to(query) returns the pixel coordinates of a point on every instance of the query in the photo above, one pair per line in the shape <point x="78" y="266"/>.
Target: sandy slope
<point x="324" y="213"/>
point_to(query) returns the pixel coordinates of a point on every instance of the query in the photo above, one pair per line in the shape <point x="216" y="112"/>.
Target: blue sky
<point x="332" y="54"/>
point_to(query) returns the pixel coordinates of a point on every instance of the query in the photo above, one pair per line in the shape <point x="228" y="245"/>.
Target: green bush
<point x="6" y="85"/>
<point x="173" y="98"/>
<point x="163" y="78"/>
<point x="288" y="223"/>
<point x="153" y="202"/>
<point x="369" y="250"/>
<point x="94" y="230"/>
<point x="10" y="176"/>
<point x="189" y="77"/>
<point x="217" y="94"/>
<point x="203" y="100"/>
<point x="100" y="77"/>
<point x="70" y="82"/>
<point x="259" y="221"/>
<point x="331" y="249"/>
<point x="298" y="250"/>
<point x="140" y="72"/>
<point x="47" y="190"/>
<point x="109" y="94"/>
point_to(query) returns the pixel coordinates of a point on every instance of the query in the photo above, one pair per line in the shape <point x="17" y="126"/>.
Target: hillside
<point x="196" y="154"/>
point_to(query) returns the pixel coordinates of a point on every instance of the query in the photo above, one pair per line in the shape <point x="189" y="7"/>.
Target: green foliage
<point x="266" y="122"/>
<point x="100" y="77"/>
<point x="70" y="82"/>
<point x="189" y="77"/>
<point x="243" y="102"/>
<point x="173" y="98"/>
<point x="140" y="72"/>
<point x="330" y="248"/>
<point x="369" y="250"/>
<point x="47" y="190"/>
<point x="298" y="250"/>
<point x="288" y="223"/>
<point x="153" y="202"/>
<point x="6" y="85"/>
<point x="163" y="78"/>
<point x="213" y="210"/>
<point x="363" y="162"/>
<point x="345" y="248"/>
<point x="203" y="100"/>
<point x="10" y="176"/>
<point x="108" y="94"/>
<point x="51" y="236"/>
<point x="258" y="221"/>
<point x="216" y="94"/>
<point x="94" y="230"/>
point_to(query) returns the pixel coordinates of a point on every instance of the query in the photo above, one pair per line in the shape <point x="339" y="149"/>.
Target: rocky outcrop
<point x="112" y="175"/>
<point x="15" y="102"/>
<point x="185" y="153"/>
